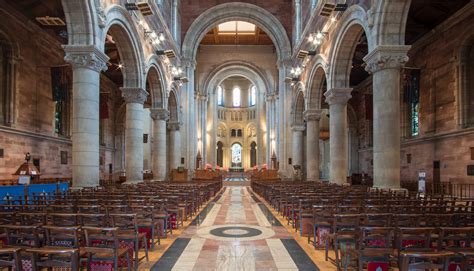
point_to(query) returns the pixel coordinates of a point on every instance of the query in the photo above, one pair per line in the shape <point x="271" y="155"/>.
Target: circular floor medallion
<point x="235" y="232"/>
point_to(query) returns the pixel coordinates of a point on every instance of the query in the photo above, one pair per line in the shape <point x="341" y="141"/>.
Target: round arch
<point x="236" y="11"/>
<point x="247" y="70"/>
<point x="298" y="108"/>
<point x="173" y="106"/>
<point x="81" y="21"/>
<point x="353" y="25"/>
<point x="390" y="21"/>
<point x="120" y="25"/>
<point x="314" y="86"/>
<point x="156" y="87"/>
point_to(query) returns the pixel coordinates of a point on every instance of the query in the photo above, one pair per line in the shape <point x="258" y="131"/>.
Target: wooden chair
<point x="10" y="257"/>
<point x="127" y="225"/>
<point x="458" y="240"/>
<point x="416" y="252"/>
<point x="56" y="257"/>
<point x="146" y="220"/>
<point x="102" y="244"/>
<point x="375" y="244"/>
<point x="344" y="235"/>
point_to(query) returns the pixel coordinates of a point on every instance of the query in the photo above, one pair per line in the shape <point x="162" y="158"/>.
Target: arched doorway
<point x="236" y="155"/>
<point x="253" y="154"/>
<point x="220" y="154"/>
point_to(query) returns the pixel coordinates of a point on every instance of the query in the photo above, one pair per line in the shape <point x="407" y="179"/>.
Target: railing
<point x="458" y="190"/>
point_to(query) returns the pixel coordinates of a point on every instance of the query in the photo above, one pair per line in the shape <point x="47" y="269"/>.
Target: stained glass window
<point x="236" y="97"/>
<point x="415" y="119"/>
<point x="236" y="154"/>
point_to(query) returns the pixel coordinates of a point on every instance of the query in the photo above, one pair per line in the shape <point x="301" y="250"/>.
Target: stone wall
<point x="440" y="138"/>
<point x="34" y="128"/>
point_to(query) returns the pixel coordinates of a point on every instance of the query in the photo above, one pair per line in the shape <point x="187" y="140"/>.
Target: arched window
<point x="236" y="97"/>
<point x="253" y="96"/>
<point x="236" y="155"/>
<point x="466" y="99"/>
<point x="220" y="96"/>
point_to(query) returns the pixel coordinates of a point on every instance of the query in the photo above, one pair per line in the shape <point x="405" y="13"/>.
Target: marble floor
<point x="235" y="232"/>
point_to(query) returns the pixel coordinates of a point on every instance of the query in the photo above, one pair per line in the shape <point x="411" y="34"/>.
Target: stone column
<point x="134" y="99"/>
<point x="384" y="62"/>
<point x="174" y="20"/>
<point x="87" y="63"/>
<point x="175" y="145"/>
<point x="297" y="20"/>
<point x="312" y="117"/>
<point x="159" y="116"/>
<point x="297" y="145"/>
<point x="337" y="99"/>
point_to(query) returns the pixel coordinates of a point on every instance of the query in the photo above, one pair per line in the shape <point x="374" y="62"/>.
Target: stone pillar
<point x="87" y="63"/>
<point x="175" y="145"/>
<point x="384" y="62"/>
<point x="312" y="117"/>
<point x="159" y="116"/>
<point x="297" y="145"/>
<point x="174" y="20"/>
<point x="282" y="131"/>
<point x="134" y="99"/>
<point x="297" y="20"/>
<point x="338" y="133"/>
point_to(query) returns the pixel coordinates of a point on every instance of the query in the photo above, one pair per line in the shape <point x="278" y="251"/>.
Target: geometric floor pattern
<point x="236" y="232"/>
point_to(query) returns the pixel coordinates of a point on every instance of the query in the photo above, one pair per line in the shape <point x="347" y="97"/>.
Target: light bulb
<point x="161" y="36"/>
<point x="310" y="38"/>
<point x="319" y="35"/>
<point x="153" y="35"/>
<point x="316" y="42"/>
<point x="180" y="70"/>
<point x="333" y="19"/>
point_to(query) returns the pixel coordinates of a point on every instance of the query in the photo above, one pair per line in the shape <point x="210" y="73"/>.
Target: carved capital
<point x="386" y="57"/>
<point x="312" y="114"/>
<point x="297" y="128"/>
<point x="134" y="95"/>
<point x="174" y="125"/>
<point x="86" y="56"/>
<point x="159" y="114"/>
<point x="338" y="95"/>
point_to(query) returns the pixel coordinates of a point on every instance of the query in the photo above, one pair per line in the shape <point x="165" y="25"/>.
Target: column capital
<point x="134" y="95"/>
<point x="86" y="56"/>
<point x="312" y="114"/>
<point x="297" y="128"/>
<point x="338" y="95"/>
<point x="174" y="125"/>
<point x="270" y="97"/>
<point x="386" y="57"/>
<point x="159" y="114"/>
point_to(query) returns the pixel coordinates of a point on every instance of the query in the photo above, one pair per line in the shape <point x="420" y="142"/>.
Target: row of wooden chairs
<point x="340" y="217"/>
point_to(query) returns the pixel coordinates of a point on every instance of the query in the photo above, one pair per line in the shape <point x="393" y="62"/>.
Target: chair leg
<point x="16" y="259"/>
<point x="336" y="251"/>
<point x="129" y="267"/>
<point x="146" y="247"/>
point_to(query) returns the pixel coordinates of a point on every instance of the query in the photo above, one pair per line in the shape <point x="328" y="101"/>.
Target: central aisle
<point x="237" y="233"/>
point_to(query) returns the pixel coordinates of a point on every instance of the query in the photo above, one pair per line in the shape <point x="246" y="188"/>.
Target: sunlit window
<point x="253" y="96"/>
<point x="236" y="97"/>
<point x="220" y="96"/>
<point x="236" y="154"/>
<point x="236" y="27"/>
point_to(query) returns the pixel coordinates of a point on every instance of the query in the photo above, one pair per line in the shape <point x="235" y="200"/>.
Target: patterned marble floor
<point x="235" y="232"/>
